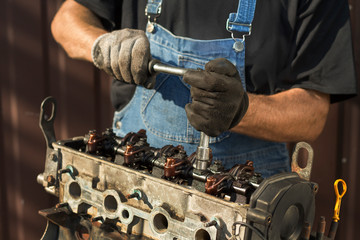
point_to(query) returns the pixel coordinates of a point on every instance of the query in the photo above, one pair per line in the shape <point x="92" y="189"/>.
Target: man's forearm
<point x="290" y="116"/>
<point x="76" y="28"/>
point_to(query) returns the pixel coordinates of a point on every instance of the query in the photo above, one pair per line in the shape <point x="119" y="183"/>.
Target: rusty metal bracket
<point x="305" y="172"/>
<point x="46" y="122"/>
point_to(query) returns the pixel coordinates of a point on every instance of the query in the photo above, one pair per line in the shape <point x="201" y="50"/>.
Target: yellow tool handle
<point x="339" y="196"/>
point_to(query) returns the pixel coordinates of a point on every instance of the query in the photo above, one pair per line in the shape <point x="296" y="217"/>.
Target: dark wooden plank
<point x="21" y="95"/>
<point x="4" y="83"/>
<point x="350" y="149"/>
<point x="324" y="165"/>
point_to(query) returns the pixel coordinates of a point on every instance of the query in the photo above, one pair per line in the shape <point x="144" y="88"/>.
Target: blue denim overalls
<point x="160" y="111"/>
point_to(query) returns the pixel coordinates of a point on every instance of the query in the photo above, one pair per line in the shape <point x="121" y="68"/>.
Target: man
<point x="298" y="61"/>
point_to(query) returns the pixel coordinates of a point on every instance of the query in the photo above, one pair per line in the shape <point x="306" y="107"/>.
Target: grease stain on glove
<point x="125" y="55"/>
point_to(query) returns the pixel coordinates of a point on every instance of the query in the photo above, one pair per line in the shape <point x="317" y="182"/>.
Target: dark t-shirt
<point x="294" y="43"/>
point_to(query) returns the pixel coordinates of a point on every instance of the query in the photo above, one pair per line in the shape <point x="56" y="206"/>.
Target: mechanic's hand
<point x="124" y="54"/>
<point x="219" y="100"/>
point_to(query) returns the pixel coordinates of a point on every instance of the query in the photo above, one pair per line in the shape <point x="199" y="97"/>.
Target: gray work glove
<point x="219" y="100"/>
<point x="124" y="54"/>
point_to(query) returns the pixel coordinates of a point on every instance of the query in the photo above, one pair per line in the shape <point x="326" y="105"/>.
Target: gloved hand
<point x="219" y="100"/>
<point x="124" y="54"/>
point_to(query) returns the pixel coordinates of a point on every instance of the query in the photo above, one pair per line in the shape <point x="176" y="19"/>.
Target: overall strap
<point x="241" y="21"/>
<point x="153" y="8"/>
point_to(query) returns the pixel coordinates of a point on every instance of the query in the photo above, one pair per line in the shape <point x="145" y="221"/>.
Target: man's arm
<point x="290" y="116"/>
<point x="76" y="28"/>
<point x="123" y="54"/>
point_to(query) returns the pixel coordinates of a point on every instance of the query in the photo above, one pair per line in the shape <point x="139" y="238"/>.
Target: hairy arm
<point x="290" y="116"/>
<point x="76" y="28"/>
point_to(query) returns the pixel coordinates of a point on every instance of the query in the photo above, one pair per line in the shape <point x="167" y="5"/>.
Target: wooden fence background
<point x="33" y="66"/>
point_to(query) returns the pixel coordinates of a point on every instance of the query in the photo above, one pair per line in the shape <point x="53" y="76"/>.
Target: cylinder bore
<point x="160" y="222"/>
<point x="75" y="190"/>
<point x="110" y="203"/>
<point x="202" y="234"/>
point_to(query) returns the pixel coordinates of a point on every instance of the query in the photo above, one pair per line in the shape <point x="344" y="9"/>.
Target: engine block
<point x="122" y="188"/>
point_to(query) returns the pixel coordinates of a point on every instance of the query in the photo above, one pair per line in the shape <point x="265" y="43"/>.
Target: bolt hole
<point x="125" y="214"/>
<point x="201" y="234"/>
<point x="75" y="190"/>
<point x="315" y="188"/>
<point x="49" y="111"/>
<point x="110" y="203"/>
<point x="303" y="156"/>
<point x="160" y="223"/>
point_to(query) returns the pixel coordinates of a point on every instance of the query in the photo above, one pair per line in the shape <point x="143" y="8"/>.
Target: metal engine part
<point x="122" y="188"/>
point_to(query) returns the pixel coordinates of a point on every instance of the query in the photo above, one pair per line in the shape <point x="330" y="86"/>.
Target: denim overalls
<point x="160" y="111"/>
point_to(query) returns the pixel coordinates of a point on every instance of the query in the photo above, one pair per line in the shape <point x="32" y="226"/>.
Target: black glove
<point x="125" y="55"/>
<point x="219" y="100"/>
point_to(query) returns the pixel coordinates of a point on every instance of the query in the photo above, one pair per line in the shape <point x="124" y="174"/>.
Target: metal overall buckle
<point x="152" y="11"/>
<point x="238" y="44"/>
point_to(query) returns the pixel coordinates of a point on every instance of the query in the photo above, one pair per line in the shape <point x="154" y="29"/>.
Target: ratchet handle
<point x="155" y="66"/>
<point x="151" y="66"/>
<point x="203" y="153"/>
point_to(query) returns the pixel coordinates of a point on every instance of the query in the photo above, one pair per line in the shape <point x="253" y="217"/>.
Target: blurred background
<point x="33" y="66"/>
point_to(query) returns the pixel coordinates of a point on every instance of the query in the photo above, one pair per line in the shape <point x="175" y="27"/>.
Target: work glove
<point x="124" y="54"/>
<point x="219" y="101"/>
